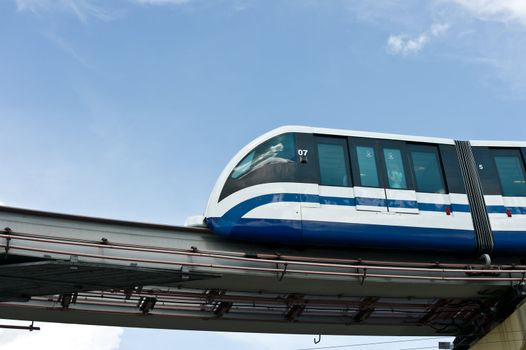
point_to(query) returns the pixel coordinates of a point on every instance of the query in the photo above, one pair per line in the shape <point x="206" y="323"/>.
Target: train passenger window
<point x="367" y="166"/>
<point x="333" y="164"/>
<point x="395" y="168"/>
<point x="279" y="149"/>
<point x="511" y="172"/>
<point x="427" y="170"/>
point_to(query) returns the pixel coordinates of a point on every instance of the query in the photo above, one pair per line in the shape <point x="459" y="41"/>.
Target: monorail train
<point x="312" y="186"/>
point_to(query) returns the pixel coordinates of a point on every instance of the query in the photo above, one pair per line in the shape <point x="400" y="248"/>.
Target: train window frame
<point x="355" y="142"/>
<point x="254" y="152"/>
<point x="273" y="172"/>
<point x="433" y="149"/>
<point x="337" y="141"/>
<point x="451" y="167"/>
<point x="487" y="170"/>
<point x="509" y="152"/>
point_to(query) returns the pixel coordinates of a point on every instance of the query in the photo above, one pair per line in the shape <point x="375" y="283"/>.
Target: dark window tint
<point x="279" y="149"/>
<point x="511" y="173"/>
<point x="333" y="164"/>
<point x="367" y="166"/>
<point x="428" y="172"/>
<point x="395" y="168"/>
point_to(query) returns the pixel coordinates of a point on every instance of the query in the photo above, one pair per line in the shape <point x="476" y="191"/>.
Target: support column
<point x="509" y="335"/>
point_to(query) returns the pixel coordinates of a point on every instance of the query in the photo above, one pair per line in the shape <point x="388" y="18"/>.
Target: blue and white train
<point x="312" y="186"/>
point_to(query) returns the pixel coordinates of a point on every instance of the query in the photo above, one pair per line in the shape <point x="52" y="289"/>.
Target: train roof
<point x="491" y="143"/>
<point x="367" y="134"/>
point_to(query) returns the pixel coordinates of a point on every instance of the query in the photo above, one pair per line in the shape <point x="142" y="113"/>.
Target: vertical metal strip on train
<point x="475" y="194"/>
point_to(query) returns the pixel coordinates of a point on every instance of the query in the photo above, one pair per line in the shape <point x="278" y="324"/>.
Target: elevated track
<point x="66" y="268"/>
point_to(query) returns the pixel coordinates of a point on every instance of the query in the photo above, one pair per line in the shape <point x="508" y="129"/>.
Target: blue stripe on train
<point x="345" y="234"/>
<point x="500" y="209"/>
<point x="241" y="209"/>
<point x="371" y="202"/>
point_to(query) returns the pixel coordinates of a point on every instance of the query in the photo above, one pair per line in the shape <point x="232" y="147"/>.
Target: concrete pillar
<point x="509" y="335"/>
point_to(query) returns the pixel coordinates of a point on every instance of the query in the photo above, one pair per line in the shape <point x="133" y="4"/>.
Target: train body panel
<point x="301" y="185"/>
<point x="297" y="214"/>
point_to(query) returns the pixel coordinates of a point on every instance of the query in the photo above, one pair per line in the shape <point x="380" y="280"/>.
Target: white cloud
<point x="54" y="336"/>
<point x="82" y="9"/>
<point x="404" y="45"/>
<point x="400" y="44"/>
<point x="495" y="10"/>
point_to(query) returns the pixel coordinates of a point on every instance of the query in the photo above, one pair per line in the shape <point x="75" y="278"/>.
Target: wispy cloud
<point x="162" y="2"/>
<point x="497" y="40"/>
<point x="67" y="48"/>
<point x="82" y="9"/>
<point x="489" y="35"/>
<point x="438" y="29"/>
<point x="495" y="10"/>
<point x="404" y="45"/>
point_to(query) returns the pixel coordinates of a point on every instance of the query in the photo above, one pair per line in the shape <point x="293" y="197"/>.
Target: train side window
<point x="367" y="166"/>
<point x="510" y="169"/>
<point x="334" y="164"/>
<point x="279" y="149"/>
<point x="395" y="168"/>
<point x="427" y="169"/>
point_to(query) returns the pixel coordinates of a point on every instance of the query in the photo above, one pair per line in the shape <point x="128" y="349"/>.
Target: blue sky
<point x="130" y="109"/>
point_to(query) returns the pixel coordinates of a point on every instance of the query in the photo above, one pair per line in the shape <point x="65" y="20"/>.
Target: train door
<point x="368" y="187"/>
<point x="335" y="197"/>
<point x="335" y="175"/>
<point x="399" y="188"/>
<point x="383" y="180"/>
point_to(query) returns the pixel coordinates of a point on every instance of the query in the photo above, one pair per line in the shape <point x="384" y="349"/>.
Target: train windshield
<point x="279" y="149"/>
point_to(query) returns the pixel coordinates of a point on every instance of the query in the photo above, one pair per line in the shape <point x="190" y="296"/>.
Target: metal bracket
<point x="146" y="304"/>
<point x="7" y="230"/>
<point x="66" y="299"/>
<point x="7" y="242"/>
<point x="283" y="272"/>
<point x="364" y="276"/>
